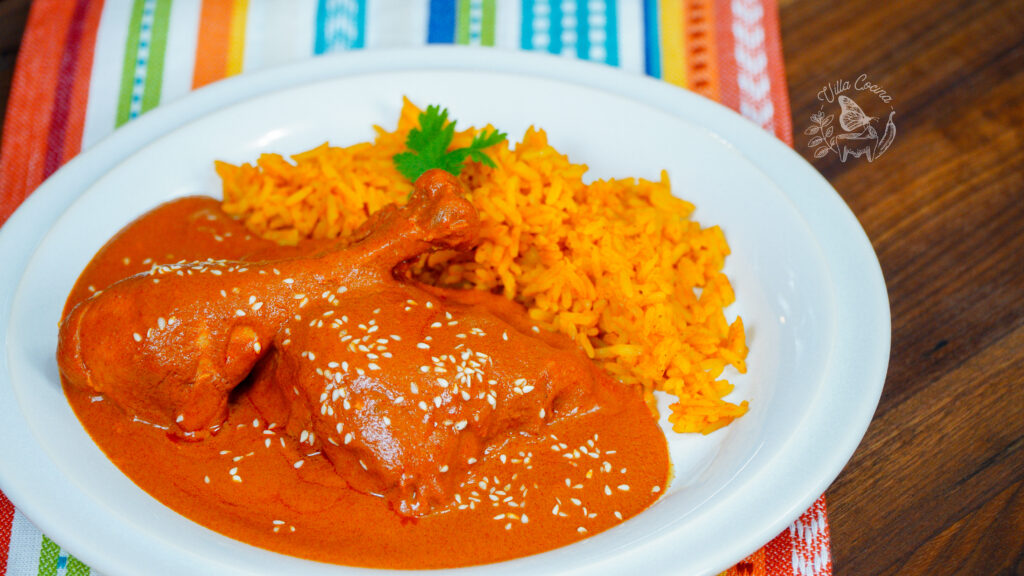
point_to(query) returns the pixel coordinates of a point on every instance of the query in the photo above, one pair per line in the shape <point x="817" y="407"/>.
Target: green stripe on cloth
<point x="487" y="28"/>
<point x="76" y="568"/>
<point x="155" y="70"/>
<point x="131" y="52"/>
<point x="142" y="73"/>
<point x="462" y="22"/>
<point x="49" y="553"/>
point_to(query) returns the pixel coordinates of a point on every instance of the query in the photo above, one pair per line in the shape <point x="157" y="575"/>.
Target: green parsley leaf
<point x="428" y="146"/>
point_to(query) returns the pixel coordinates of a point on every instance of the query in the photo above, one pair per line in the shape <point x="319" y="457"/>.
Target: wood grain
<point x="937" y="486"/>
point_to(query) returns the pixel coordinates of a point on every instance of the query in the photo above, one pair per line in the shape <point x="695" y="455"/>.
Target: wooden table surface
<point x="937" y="485"/>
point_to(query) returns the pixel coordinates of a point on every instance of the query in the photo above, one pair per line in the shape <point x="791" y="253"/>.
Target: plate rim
<point x="774" y="159"/>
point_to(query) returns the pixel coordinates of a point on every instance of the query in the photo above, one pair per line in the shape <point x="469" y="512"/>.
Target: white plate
<point x="808" y="286"/>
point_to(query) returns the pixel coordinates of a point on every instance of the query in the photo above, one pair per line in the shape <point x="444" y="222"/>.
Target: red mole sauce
<point x="313" y="401"/>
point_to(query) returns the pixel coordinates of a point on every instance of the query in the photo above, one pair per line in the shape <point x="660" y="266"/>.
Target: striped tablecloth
<point x="87" y="67"/>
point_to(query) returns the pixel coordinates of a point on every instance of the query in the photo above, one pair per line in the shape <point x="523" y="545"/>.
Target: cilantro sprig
<point x="428" y="146"/>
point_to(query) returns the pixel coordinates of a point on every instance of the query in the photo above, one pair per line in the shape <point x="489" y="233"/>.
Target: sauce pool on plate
<point x="314" y="401"/>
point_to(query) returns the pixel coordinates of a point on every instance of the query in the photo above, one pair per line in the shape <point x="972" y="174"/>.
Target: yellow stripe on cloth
<point x="673" y="44"/>
<point x="236" y="38"/>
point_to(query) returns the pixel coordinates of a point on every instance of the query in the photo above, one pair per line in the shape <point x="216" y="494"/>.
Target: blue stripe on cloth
<point x="597" y="31"/>
<point x="555" y="19"/>
<point x="441" y="25"/>
<point x="611" y="33"/>
<point x="526" y="26"/>
<point x="142" y="57"/>
<point x="542" y="26"/>
<point x="476" y="21"/>
<point x="340" y="25"/>
<point x="652" y="39"/>
<point x="583" y="31"/>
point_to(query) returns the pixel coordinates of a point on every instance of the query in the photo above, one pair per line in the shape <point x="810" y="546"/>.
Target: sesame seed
<point x="298" y="464"/>
<point x="206" y="479"/>
<point x="137" y="337"/>
<point x="624" y="487"/>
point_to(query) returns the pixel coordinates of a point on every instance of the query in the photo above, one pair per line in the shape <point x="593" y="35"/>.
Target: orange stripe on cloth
<point x="728" y="91"/>
<point x="212" y="45"/>
<point x="33" y="92"/>
<point x="701" y="50"/>
<point x="221" y="44"/>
